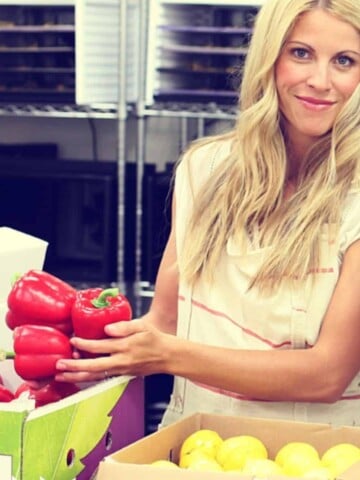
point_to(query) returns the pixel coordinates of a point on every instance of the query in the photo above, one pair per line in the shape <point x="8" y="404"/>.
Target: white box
<point x="6" y="334"/>
<point x="19" y="252"/>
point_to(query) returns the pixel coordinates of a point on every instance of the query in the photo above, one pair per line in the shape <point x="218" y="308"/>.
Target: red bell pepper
<point x="6" y="395"/>
<point x="95" y="308"/>
<point x="37" y="349"/>
<point x="39" y="298"/>
<point x="49" y="393"/>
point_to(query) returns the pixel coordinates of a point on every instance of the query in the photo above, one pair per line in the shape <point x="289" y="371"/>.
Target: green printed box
<point x="66" y="440"/>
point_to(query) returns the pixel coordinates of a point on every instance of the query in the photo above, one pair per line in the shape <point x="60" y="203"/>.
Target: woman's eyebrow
<point x="299" y="44"/>
<point x="350" y="51"/>
<point x="341" y="52"/>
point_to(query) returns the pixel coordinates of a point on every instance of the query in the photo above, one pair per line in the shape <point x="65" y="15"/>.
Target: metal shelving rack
<point x="138" y="103"/>
<point x="116" y="109"/>
<point x="193" y="113"/>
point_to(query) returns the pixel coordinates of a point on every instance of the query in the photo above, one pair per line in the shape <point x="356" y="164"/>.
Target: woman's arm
<point x="161" y="317"/>
<point x="147" y="346"/>
<point x="163" y="309"/>
<point x="319" y="374"/>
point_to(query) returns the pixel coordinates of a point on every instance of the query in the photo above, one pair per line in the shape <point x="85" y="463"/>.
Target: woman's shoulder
<point x="350" y="218"/>
<point x="204" y="155"/>
<point x="352" y="200"/>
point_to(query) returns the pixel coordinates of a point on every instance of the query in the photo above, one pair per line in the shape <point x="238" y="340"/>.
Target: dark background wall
<point x="73" y="205"/>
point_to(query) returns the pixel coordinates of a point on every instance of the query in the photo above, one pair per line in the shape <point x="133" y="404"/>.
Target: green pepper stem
<point x="6" y="355"/>
<point x="100" y="301"/>
<point x="15" y="278"/>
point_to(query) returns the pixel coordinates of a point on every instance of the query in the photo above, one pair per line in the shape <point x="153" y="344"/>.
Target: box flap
<point x="12" y="240"/>
<point x="11" y="428"/>
<point x="6" y="334"/>
<point x="19" y="252"/>
<point x="353" y="473"/>
<point x="76" y="433"/>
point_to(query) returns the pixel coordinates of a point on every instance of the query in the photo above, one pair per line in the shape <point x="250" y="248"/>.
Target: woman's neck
<point x="297" y="147"/>
<point x="296" y="154"/>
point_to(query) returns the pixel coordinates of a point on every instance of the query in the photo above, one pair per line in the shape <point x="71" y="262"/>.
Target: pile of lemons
<point x="206" y="450"/>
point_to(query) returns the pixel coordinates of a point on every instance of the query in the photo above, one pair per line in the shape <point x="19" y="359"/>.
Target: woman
<point x="260" y="279"/>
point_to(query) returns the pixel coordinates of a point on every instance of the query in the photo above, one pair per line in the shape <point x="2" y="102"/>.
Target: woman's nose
<point x="319" y="77"/>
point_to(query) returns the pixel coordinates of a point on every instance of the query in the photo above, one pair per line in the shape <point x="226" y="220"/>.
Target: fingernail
<point x="61" y="365"/>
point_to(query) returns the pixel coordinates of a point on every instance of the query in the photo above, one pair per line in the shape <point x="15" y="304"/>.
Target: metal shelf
<point x="41" y="3"/>
<point x="191" y="110"/>
<point x="37" y="28"/>
<point x="59" y="111"/>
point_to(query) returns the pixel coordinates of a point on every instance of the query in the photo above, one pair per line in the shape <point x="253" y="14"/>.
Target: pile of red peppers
<point x="44" y="312"/>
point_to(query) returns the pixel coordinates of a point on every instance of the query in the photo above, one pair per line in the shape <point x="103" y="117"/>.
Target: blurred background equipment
<point x="98" y="98"/>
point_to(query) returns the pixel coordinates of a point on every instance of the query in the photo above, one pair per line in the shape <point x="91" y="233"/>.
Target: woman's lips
<point x="315" y="104"/>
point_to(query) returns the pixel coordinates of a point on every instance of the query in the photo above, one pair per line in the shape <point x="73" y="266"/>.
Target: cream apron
<point x="227" y="314"/>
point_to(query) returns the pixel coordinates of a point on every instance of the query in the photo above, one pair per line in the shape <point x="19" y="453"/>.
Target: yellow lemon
<point x="321" y="473"/>
<point x="164" y="464"/>
<point x="340" y="457"/>
<point x="296" y="458"/>
<point x="234" y="451"/>
<point x="303" y="448"/>
<point x="192" y="457"/>
<point x="208" y="441"/>
<point x="261" y="468"/>
<point x="199" y="461"/>
<point x="298" y="465"/>
<point x="209" y="465"/>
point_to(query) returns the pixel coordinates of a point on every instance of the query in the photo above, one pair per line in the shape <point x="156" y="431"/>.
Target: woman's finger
<point x="124" y="328"/>
<point x="82" y="377"/>
<point x="106" y="346"/>
<point x="94" y="365"/>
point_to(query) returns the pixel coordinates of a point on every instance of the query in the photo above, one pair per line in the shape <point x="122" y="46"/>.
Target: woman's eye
<point x="300" y="52"/>
<point x="344" y="61"/>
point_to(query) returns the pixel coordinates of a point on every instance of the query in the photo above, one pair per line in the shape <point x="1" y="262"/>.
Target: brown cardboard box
<point x="130" y="462"/>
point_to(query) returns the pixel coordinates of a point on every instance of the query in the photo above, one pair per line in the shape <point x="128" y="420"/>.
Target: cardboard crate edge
<point x="87" y="392"/>
<point x="122" y="461"/>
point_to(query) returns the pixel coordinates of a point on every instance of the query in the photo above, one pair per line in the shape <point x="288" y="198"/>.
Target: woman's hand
<point x="133" y="348"/>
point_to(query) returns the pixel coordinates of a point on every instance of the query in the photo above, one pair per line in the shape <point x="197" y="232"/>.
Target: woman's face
<point x="317" y="71"/>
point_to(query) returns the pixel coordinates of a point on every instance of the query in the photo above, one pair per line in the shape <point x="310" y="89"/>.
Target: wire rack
<point x="59" y="111"/>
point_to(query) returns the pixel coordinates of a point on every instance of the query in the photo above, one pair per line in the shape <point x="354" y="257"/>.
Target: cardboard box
<point x="67" y="439"/>
<point x="19" y="252"/>
<point x="130" y="462"/>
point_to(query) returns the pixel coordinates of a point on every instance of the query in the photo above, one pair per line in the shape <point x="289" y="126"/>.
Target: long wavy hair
<point x="246" y="191"/>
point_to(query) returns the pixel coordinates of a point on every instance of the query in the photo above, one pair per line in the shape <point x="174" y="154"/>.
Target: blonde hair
<point x="247" y="189"/>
